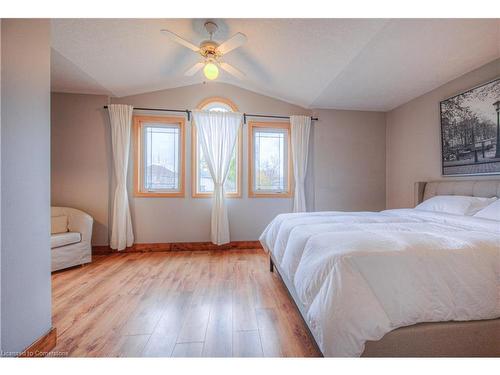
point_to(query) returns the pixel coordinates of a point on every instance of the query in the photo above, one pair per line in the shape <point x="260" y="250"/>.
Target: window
<point x="159" y="156"/>
<point x="270" y="162"/>
<point x="203" y="185"/>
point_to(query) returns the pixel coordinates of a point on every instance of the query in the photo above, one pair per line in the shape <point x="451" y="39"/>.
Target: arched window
<point x="202" y="183"/>
<point x="218" y="106"/>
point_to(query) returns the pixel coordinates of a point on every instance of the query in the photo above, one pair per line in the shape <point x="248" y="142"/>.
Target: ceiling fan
<point x="211" y="52"/>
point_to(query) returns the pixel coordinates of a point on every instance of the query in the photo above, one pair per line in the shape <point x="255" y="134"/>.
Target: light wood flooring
<point x="177" y="304"/>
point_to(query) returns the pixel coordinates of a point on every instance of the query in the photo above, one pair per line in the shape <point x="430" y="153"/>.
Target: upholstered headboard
<point x="475" y="188"/>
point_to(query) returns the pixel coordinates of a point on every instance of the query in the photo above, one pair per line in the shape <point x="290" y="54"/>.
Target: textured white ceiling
<point x="365" y="64"/>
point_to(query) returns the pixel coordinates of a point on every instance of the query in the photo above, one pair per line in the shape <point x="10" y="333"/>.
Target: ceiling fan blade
<point x="178" y="39"/>
<point x="191" y="71"/>
<point x="232" y="70"/>
<point x="237" y="40"/>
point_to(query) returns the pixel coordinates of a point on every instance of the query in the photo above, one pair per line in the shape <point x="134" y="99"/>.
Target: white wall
<point x="25" y="174"/>
<point x="333" y="165"/>
<point x="414" y="137"/>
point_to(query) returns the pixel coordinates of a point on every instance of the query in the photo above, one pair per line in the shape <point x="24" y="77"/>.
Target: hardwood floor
<point x="220" y="303"/>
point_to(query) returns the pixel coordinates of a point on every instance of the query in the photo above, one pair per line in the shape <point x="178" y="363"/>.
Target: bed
<point x="394" y="283"/>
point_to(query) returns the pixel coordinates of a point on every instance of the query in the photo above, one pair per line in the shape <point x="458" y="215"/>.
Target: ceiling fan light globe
<point x="211" y="71"/>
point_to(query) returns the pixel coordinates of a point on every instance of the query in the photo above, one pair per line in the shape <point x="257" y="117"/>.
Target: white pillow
<point x="492" y="211"/>
<point x="59" y="224"/>
<point x="455" y="204"/>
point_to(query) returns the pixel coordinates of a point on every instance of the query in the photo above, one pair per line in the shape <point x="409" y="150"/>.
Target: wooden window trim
<point x="138" y="162"/>
<point x="217" y="99"/>
<point x="251" y="162"/>
<point x="194" y="153"/>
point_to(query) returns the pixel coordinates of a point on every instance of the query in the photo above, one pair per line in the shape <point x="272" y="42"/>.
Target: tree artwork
<point x="470" y="131"/>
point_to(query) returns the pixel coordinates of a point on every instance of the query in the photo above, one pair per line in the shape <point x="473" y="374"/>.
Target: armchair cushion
<point x="63" y="239"/>
<point x="59" y="224"/>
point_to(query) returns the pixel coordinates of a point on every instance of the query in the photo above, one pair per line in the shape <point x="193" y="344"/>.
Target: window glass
<point x="270" y="160"/>
<point x="161" y="157"/>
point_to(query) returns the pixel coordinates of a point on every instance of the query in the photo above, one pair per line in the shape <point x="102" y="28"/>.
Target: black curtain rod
<point x="188" y="113"/>
<point x="270" y="116"/>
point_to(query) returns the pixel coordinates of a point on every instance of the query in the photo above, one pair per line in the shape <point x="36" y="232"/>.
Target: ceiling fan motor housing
<point x="208" y="49"/>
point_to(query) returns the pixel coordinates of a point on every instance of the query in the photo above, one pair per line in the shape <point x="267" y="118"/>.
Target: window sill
<point x="141" y="194"/>
<point x="270" y="195"/>
<point x="210" y="195"/>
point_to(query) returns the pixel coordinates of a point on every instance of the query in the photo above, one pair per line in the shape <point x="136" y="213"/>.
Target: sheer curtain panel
<point x="120" y="116"/>
<point x="300" y="129"/>
<point x="217" y="132"/>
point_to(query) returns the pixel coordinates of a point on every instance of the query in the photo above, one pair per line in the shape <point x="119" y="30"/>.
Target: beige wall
<point x="349" y="160"/>
<point x="80" y="156"/>
<point x="335" y="164"/>
<point x="188" y="219"/>
<point x="414" y="140"/>
<point x="25" y="190"/>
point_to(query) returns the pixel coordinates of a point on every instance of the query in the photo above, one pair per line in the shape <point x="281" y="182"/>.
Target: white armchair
<point x="70" y="239"/>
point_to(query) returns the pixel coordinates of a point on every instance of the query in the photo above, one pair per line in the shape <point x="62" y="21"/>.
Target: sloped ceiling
<point x="363" y="64"/>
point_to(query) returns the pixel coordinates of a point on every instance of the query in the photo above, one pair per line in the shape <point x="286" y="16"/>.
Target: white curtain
<point x="120" y="116"/>
<point x="300" y="126"/>
<point x="217" y="132"/>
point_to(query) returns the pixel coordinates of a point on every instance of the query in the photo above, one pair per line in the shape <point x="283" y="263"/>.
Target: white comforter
<point x="360" y="275"/>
